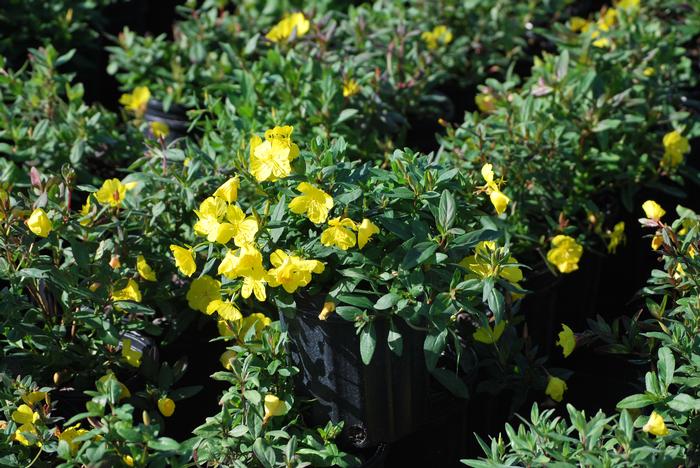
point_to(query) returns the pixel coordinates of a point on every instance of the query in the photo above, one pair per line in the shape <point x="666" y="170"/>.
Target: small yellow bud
<point x="328" y="309"/>
<point x="166" y="406"/>
<point x="114" y="262"/>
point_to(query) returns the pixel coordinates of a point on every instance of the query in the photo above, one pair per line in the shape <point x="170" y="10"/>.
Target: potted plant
<point x="364" y="264"/>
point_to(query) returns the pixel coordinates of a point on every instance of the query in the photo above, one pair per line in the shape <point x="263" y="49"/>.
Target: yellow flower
<point x="283" y="135"/>
<point x="485" y="102"/>
<point x="314" y="202"/>
<point x="602" y="43"/>
<point x="617" y="237"/>
<point x="498" y="199"/>
<point x="295" y="24"/>
<point x="124" y="391"/>
<point x="653" y="210"/>
<point x="128" y="460"/>
<point x="565" y="253"/>
<point x="255" y="320"/>
<point x="130" y="292"/>
<point x="629" y="5"/>
<point x="649" y="71"/>
<point x="33" y="397"/>
<point x="292" y="272"/>
<point x="225" y="309"/>
<point x="440" y="35"/>
<point x="210" y="214"/>
<point x="184" y="259"/>
<point x="20" y="436"/>
<point x="202" y="291"/>
<point x="328" y="309"/>
<point x="160" y="129"/>
<point x="243" y="228"/>
<point x="608" y="19"/>
<point x="675" y="147"/>
<point x="273" y="407"/>
<point x="85" y="211"/>
<point x="365" y="232"/>
<point x="226" y="358"/>
<point x="339" y="234"/>
<point x="69" y="436"/>
<point x="240" y="262"/>
<point x="269" y="160"/>
<point x="39" y="223"/>
<point x="656" y="425"/>
<point x="567" y="340"/>
<point x="113" y="192"/>
<point x="144" y="269"/>
<point x="132" y="355"/>
<point x="166" y="406"/>
<point x="246" y="262"/>
<point x="577" y="24"/>
<point x="137" y="100"/>
<point x="350" y="87"/>
<point x="555" y="388"/>
<point x="657" y="241"/>
<point x="228" y="191"/>
<point x="487" y="335"/>
<point x="24" y="414"/>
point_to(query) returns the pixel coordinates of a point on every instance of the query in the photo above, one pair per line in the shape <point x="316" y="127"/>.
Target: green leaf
<point x="684" y="403"/>
<point x="419" y="254"/>
<point x="33" y="273"/>
<point x="666" y="366"/>
<point x="164" y="444"/>
<point x="348" y="313"/>
<point x="264" y="454"/>
<point x="368" y="342"/>
<point x="387" y="301"/>
<point x="395" y="339"/>
<point x="433" y="346"/>
<point x="636" y="401"/>
<point x="496" y="303"/>
<point x="135" y="307"/>
<point x="607" y="124"/>
<point x="446" y="211"/>
<point x="359" y="301"/>
<point x="451" y="381"/>
<point x="345" y="115"/>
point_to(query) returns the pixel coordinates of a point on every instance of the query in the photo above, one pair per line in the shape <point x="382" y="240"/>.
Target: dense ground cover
<point x="338" y="233"/>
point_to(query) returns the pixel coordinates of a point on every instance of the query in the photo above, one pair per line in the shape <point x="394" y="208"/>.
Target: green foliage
<point x="46" y="124"/>
<point x="579" y="139"/>
<point x="671" y="387"/>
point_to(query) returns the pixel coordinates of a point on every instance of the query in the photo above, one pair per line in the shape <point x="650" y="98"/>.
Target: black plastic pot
<point x="380" y="402"/>
<point x="175" y="118"/>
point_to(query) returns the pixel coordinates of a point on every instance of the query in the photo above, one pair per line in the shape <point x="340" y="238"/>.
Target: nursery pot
<point x="379" y="402"/>
<point x="175" y="118"/>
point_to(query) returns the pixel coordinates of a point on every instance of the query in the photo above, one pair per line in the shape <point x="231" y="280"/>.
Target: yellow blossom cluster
<point x="293" y="25"/>
<point x="440" y="35"/>
<point x="26" y="418"/>
<point x="605" y="21"/>
<point x="341" y="233"/>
